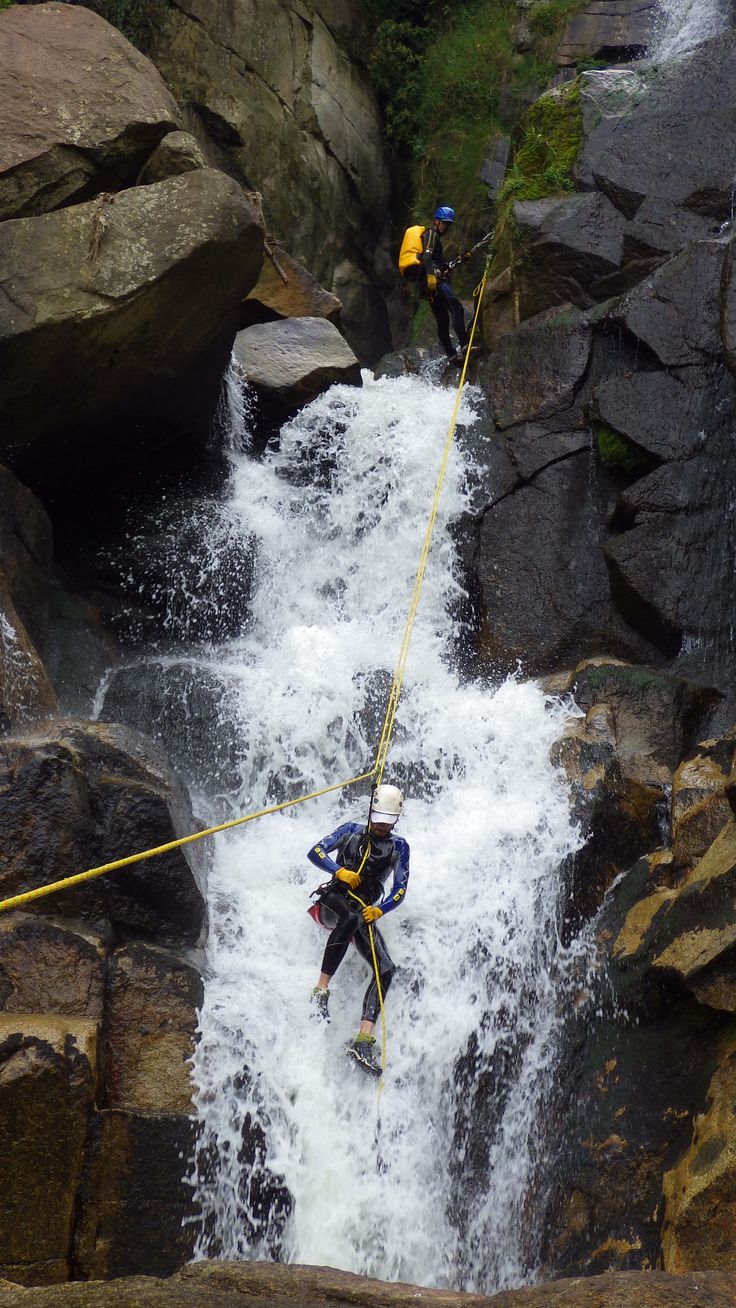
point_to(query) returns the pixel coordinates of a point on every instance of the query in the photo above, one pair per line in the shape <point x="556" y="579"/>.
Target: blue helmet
<point x="444" y="214"/>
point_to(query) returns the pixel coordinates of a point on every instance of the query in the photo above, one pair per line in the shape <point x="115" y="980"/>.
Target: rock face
<point x="88" y="794"/>
<point x="612" y="32"/>
<point x="223" y="1285"/>
<point x="80" y="108"/>
<point x="96" y="1024"/>
<point x="614" y="397"/>
<point x="300" y="296"/>
<point x="288" y="99"/>
<point x="112" y="326"/>
<point x="290" y="362"/>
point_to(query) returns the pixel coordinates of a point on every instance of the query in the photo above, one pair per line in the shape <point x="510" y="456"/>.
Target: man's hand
<point x="431" y="283"/>
<point x="371" y="914"/>
<point x="351" y="879"/>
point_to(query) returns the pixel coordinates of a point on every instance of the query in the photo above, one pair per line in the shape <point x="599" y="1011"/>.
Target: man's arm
<point x="319" y="853"/>
<point x="401" y="877"/>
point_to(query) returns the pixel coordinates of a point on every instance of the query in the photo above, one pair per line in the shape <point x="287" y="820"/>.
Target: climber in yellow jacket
<point x="422" y="263"/>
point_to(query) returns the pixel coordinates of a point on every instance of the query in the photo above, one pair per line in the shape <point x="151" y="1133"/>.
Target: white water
<point x="427" y="1182"/>
<point x="684" y="24"/>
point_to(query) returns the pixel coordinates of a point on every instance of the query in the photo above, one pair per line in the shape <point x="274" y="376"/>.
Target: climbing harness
<point x="375" y="773"/>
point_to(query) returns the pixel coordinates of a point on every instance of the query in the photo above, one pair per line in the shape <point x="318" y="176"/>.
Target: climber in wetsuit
<point x="422" y="262"/>
<point x="363" y="860"/>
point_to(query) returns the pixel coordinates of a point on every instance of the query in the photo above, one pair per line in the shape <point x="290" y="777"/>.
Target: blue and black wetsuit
<point x="387" y="856"/>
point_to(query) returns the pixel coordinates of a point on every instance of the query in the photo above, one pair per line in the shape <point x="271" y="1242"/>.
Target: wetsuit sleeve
<point x="319" y="853"/>
<point x="401" y="878"/>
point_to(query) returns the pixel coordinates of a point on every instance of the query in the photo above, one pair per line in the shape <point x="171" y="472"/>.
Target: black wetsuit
<point x="344" y="915"/>
<point x="444" y="303"/>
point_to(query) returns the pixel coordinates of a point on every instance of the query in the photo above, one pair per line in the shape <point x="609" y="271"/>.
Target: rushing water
<point x="684" y="24"/>
<point x="299" y="1157"/>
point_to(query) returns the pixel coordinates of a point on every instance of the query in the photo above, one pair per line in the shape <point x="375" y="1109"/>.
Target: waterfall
<point x="684" y="24"/>
<point x="299" y="1158"/>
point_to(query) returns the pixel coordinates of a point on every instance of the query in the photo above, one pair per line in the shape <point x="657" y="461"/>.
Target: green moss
<point x="451" y="83"/>
<point x="5" y="4"/>
<point x="619" y="454"/>
<point x="419" y="322"/>
<point x="134" y="18"/>
<point x="552" y="134"/>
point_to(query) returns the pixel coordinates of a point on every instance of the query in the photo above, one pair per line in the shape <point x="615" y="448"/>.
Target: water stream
<point x="299" y="1158"/>
<point x="684" y="24"/>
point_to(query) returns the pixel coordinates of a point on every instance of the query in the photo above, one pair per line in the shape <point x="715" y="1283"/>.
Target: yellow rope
<point x="376" y="772"/>
<point x="395" y="691"/>
<point x="16" y="900"/>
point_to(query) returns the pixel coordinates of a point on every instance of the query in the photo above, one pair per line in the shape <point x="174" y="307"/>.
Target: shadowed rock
<point x="118" y="317"/>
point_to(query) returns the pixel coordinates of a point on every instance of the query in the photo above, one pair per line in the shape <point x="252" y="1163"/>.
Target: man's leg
<point x="339" y="939"/>
<point x="386" y="969"/>
<point x="454" y="307"/>
<point x="438" y="305"/>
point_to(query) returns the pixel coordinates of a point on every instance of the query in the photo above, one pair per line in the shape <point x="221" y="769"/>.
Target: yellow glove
<point x="431" y="283"/>
<point x="351" y="879"/>
<point x="371" y="914"/>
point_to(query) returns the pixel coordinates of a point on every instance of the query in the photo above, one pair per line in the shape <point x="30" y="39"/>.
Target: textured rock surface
<point x="224" y="1285"/>
<point x="613" y="31"/>
<point x="47" y="1083"/>
<point x="86" y="794"/>
<point x="49" y="966"/>
<point x="102" y="328"/>
<point x="152" y="1007"/>
<point x="290" y="362"/>
<point x="178" y="153"/>
<point x="573" y="251"/>
<point x="80" y="108"/>
<point x="300" y="297"/>
<point x="700" y="1192"/>
<point x="286" y="99"/>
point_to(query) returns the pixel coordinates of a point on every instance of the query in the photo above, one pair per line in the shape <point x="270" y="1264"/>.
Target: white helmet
<point x="388" y="802"/>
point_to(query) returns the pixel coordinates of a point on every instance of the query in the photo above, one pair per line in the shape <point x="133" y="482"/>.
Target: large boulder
<point x="103" y="331"/>
<point x="79" y="795"/>
<point x="292" y="99"/>
<point x="573" y="251"/>
<point x="80" y="108"/>
<point x="290" y="362"/>
<point x="48" y="1072"/>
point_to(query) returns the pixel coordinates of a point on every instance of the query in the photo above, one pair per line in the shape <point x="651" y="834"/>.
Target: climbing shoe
<point x="362" y="1050"/>
<point x="320" y="1000"/>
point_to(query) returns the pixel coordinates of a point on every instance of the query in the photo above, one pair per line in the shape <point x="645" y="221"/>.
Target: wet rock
<point x="573" y="248"/>
<point x="615" y="32"/>
<point x="700" y="1192"/>
<point x="188" y="708"/>
<point x="153" y="999"/>
<point x="26" y="693"/>
<point x="637" y="121"/>
<point x="541" y="572"/>
<point x="301" y="296"/>
<point x="78" y="795"/>
<point x="658" y="412"/>
<point x="677" y="932"/>
<point x="80" y="108"/>
<point x="535" y="371"/>
<point x="291" y="362"/>
<point x="700" y="807"/>
<point x="621" y="1119"/>
<point x="616" y="811"/>
<point x="657" y="716"/>
<point x="135" y="1210"/>
<point x="135" y="335"/>
<point x="25" y="554"/>
<point x="676" y="310"/>
<point x="50" y="966"/>
<point x="178" y="153"/>
<point x="47" y="1084"/>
